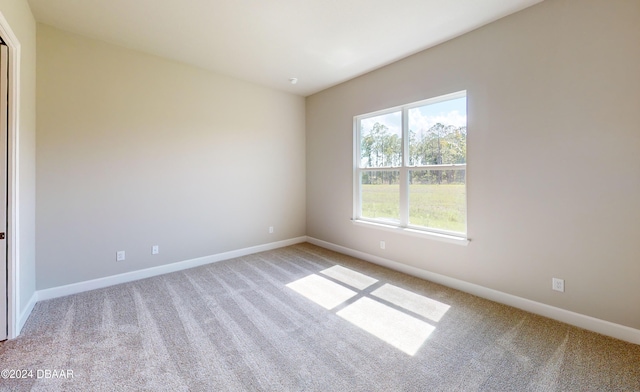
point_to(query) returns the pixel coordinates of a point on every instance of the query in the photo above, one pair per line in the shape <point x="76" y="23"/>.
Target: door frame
<point x="12" y="237"/>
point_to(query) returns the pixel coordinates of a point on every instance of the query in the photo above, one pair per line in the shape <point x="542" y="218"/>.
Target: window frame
<point x="404" y="170"/>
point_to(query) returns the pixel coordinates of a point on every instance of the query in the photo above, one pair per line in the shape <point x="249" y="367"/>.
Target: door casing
<point x="15" y="319"/>
<point x="4" y="110"/>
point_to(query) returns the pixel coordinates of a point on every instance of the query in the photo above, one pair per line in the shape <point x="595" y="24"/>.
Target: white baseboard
<point x="99" y="283"/>
<point x="576" y="319"/>
<point x="24" y="315"/>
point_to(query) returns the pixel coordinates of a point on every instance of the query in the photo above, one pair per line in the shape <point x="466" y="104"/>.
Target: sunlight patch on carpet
<point x="349" y="276"/>
<point x="393" y="314"/>
<point x="400" y="330"/>
<point x="416" y="303"/>
<point x="321" y="291"/>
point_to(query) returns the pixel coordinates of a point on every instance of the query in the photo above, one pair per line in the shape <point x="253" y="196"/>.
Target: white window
<point x="410" y="165"/>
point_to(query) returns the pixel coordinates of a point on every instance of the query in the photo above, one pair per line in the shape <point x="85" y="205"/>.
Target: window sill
<point x="451" y="239"/>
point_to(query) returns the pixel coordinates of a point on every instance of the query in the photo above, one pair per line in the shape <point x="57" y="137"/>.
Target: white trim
<point x="27" y="310"/>
<point x="452" y="239"/>
<point x="617" y="331"/>
<point x="99" y="283"/>
<point x="404" y="169"/>
<point x="13" y="181"/>
<point x="413" y="105"/>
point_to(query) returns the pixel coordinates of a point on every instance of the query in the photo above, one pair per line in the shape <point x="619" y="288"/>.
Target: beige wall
<point x="553" y="155"/>
<point x="18" y="15"/>
<point x="135" y="151"/>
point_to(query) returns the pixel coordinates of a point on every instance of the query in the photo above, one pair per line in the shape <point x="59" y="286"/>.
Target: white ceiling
<point x="320" y="42"/>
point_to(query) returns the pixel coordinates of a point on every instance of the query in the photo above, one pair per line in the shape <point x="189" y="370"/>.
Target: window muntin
<point x="418" y="152"/>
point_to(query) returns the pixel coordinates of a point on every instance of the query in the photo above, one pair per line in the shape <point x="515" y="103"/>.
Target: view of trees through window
<point x="432" y="176"/>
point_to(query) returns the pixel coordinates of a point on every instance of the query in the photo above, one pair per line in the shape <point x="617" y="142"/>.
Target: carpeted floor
<point x="303" y="318"/>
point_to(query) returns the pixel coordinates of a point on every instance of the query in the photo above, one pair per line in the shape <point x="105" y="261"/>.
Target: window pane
<point x="438" y="133"/>
<point x="381" y="195"/>
<point x="437" y="199"/>
<point x="381" y="140"/>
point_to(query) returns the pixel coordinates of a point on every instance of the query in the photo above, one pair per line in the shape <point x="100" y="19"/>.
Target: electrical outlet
<point x="120" y="255"/>
<point x="557" y="284"/>
<point x="382" y="245"/>
<point x="270" y="229"/>
<point x="155" y="250"/>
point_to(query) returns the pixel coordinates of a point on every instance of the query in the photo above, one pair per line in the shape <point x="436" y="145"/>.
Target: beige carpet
<point x="303" y="318"/>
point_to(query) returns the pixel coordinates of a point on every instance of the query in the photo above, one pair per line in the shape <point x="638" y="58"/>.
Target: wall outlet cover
<point x="557" y="284"/>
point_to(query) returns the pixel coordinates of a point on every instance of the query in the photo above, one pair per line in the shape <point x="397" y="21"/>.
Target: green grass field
<point x="436" y="206"/>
